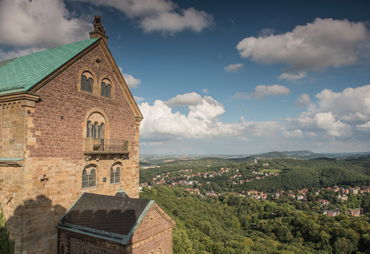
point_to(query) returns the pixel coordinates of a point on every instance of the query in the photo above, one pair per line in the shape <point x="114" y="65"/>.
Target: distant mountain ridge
<point x="299" y="154"/>
<point x="306" y="154"/>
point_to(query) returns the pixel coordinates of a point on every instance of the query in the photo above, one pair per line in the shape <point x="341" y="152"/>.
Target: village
<point x="199" y="183"/>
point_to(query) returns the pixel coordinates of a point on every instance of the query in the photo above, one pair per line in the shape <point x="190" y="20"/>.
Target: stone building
<point x="69" y="126"/>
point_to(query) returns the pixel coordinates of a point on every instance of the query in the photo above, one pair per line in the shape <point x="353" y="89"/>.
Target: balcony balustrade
<point x="113" y="147"/>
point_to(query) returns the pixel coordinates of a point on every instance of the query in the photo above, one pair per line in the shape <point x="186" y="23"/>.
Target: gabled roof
<point x="113" y="218"/>
<point x="22" y="73"/>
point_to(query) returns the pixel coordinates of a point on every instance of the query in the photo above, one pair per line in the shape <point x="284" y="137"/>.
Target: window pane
<point x="88" y="129"/>
<point x="111" y="175"/>
<point x="107" y="93"/>
<point x="89" y="85"/>
<point x="102" y="131"/>
<point x="84" y="179"/>
<point x="118" y="174"/>
<point x="96" y="125"/>
<point x="92" y="178"/>
<point x="102" y="88"/>
<point x="83" y="82"/>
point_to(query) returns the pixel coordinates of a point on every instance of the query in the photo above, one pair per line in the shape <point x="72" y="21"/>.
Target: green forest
<point x="230" y="224"/>
<point x="294" y="173"/>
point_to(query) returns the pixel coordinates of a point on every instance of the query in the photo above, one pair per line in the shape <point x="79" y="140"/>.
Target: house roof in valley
<point x="22" y="73"/>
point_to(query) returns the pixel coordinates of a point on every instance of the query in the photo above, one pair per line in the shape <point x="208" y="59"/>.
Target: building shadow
<point x="33" y="226"/>
<point x="6" y="245"/>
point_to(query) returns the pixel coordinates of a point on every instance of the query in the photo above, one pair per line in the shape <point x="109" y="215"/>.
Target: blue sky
<point x="224" y="77"/>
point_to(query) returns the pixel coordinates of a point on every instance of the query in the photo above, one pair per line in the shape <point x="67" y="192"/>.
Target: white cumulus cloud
<point x="139" y="99"/>
<point x="131" y="81"/>
<point x="186" y="99"/>
<point x="262" y="91"/>
<point x="233" y="67"/>
<point x="337" y="114"/>
<point x="39" y="23"/>
<point x="160" y="121"/>
<point x="159" y="15"/>
<point x="317" y="45"/>
<point x="292" y="76"/>
<point x="304" y="100"/>
<point x="18" y="53"/>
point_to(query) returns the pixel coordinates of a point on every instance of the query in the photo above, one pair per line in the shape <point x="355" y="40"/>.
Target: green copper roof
<point x="22" y="73"/>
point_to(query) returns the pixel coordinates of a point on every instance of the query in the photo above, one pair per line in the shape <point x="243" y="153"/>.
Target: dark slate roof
<point x="110" y="217"/>
<point x="22" y="73"/>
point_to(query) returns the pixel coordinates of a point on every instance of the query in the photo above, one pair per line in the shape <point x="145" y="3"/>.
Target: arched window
<point x="105" y="88"/>
<point x="96" y="128"/>
<point x="87" y="82"/>
<point x="89" y="177"/>
<point x="115" y="173"/>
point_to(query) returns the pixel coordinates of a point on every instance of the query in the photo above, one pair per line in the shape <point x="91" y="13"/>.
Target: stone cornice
<point x="19" y="97"/>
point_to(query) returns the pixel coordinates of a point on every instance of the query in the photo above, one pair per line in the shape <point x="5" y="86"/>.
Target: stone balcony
<point x="106" y="149"/>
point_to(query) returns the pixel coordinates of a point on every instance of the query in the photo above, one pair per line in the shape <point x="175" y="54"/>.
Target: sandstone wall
<point x="154" y="235"/>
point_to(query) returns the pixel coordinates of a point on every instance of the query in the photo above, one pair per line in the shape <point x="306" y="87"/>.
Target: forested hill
<point x="282" y="173"/>
<point x="236" y="225"/>
<point x="147" y="159"/>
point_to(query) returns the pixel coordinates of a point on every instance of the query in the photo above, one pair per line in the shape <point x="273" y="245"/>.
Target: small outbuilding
<point x="114" y="224"/>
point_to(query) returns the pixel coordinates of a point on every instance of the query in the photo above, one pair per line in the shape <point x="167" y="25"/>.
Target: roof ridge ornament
<point x="99" y="31"/>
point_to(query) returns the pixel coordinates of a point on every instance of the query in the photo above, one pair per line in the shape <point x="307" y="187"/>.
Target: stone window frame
<point x="106" y="88"/>
<point x="115" y="173"/>
<point x="97" y="81"/>
<point x="88" y="75"/>
<point x="88" y="176"/>
<point x="85" y="123"/>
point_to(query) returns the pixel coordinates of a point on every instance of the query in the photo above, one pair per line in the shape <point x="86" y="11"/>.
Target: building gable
<point x="22" y="73"/>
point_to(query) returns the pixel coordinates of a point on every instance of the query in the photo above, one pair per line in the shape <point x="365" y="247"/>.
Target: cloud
<point x="293" y="133"/>
<point x="233" y="67"/>
<point x="131" y="81"/>
<point x="39" y="23"/>
<point x="364" y="127"/>
<point x="18" y="53"/>
<point x="314" y="46"/>
<point x="350" y="105"/>
<point x="262" y="91"/>
<point x="326" y="121"/>
<point x="205" y="90"/>
<point x="292" y="76"/>
<point x="200" y="121"/>
<point x="261" y="129"/>
<point x="173" y="22"/>
<point x="186" y="99"/>
<point x="337" y="114"/>
<point x="159" y="15"/>
<point x="304" y="100"/>
<point x="266" y="32"/>
<point x="139" y="99"/>
<point x="333" y="121"/>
